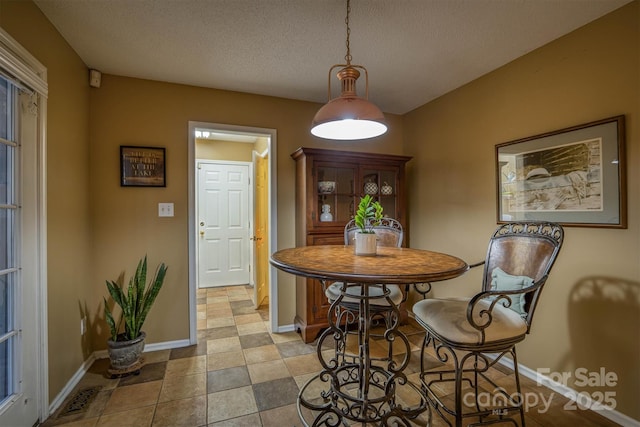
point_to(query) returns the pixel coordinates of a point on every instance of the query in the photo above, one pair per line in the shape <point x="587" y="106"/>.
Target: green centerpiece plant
<point x="368" y="215"/>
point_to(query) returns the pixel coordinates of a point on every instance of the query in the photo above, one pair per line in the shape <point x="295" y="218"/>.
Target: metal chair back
<point x="523" y="249"/>
<point x="389" y="232"/>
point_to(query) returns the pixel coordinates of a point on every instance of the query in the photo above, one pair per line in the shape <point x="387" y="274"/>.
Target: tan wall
<point x="126" y="226"/>
<point x="590" y="74"/>
<point x="68" y="219"/>
<point x="224" y="150"/>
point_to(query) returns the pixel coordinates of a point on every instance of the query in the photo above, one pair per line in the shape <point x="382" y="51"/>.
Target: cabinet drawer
<point x="325" y="239"/>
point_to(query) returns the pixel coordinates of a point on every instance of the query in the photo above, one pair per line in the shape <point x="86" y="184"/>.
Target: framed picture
<point x="142" y="166"/>
<point x="574" y="176"/>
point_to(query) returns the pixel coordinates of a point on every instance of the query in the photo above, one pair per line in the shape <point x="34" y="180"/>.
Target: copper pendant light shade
<point x="348" y="117"/>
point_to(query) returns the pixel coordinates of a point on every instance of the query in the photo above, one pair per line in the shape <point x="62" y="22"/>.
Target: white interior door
<point x="223" y="223"/>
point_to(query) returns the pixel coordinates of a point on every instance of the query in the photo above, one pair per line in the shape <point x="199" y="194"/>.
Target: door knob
<point x="256" y="238"/>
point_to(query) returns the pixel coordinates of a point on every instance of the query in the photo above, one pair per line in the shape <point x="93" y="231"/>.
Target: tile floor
<point x="240" y="374"/>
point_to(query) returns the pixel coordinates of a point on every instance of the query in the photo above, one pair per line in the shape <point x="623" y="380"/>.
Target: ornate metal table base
<point x="363" y="390"/>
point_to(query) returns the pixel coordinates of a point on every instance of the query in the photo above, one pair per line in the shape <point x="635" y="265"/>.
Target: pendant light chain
<point x="348" y="116"/>
<point x="347" y="57"/>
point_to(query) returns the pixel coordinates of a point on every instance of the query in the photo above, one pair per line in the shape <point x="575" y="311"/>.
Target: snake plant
<point x="135" y="303"/>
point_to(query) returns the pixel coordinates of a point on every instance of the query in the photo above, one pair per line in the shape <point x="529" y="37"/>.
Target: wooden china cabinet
<point x="338" y="179"/>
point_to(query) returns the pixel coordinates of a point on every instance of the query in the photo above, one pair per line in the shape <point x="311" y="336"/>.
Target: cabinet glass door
<point x="382" y="184"/>
<point x="335" y="194"/>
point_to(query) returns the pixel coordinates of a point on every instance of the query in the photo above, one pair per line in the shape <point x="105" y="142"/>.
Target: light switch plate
<point x="165" y="209"/>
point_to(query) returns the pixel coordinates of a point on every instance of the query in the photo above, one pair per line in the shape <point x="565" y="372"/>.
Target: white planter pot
<point x="365" y="244"/>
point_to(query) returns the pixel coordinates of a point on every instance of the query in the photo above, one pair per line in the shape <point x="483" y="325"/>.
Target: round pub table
<point x="363" y="390"/>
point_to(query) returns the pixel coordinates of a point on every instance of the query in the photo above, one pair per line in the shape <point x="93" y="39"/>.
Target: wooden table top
<point x="390" y="265"/>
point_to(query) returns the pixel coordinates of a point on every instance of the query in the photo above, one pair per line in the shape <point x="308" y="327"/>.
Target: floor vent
<point x="80" y="402"/>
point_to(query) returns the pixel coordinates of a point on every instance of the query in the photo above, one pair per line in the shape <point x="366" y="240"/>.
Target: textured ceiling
<point x="414" y="50"/>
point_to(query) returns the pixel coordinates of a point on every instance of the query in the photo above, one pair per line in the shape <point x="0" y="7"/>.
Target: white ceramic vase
<point x="326" y="215"/>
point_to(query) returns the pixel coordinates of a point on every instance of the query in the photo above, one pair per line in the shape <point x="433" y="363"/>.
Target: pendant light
<point x="349" y="117"/>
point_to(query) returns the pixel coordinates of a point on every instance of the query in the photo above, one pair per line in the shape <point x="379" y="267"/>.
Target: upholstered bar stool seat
<point x="448" y="318"/>
<point x="375" y="293"/>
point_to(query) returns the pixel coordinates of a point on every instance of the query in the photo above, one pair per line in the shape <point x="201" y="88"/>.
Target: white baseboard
<point x="568" y="392"/>
<point x="75" y="379"/>
<point x="285" y="328"/>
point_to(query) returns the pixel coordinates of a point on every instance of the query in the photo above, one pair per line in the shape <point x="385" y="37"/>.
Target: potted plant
<point x="126" y="344"/>
<point x="368" y="215"/>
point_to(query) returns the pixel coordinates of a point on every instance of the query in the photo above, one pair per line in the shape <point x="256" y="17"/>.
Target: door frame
<point x="271" y="134"/>
<point x="255" y="155"/>
<point x="27" y="69"/>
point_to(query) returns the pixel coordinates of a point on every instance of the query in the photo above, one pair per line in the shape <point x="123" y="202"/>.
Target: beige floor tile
<point x="97" y="376"/>
<point x="251" y="328"/>
<point x="219" y="314"/>
<point x="139" y="417"/>
<point x="327" y="354"/>
<point x="252" y="420"/>
<point x="156" y="356"/>
<point x="282" y="416"/>
<point x="314" y="388"/>
<point x="220" y="305"/>
<point x="238" y="296"/>
<point x="133" y="396"/>
<point x="186" y="366"/>
<point x="231" y="404"/>
<point x="200" y="315"/>
<point x="217" y="299"/>
<point x="261" y="354"/>
<point x="285" y="337"/>
<point x="304" y="364"/>
<point x="87" y="422"/>
<point x="201" y="293"/>
<point x="216" y="292"/>
<point x="189" y="412"/>
<point x="219" y="322"/>
<point x="268" y="371"/>
<point x="410" y="396"/>
<point x="201" y="324"/>
<point x="230" y="359"/>
<point x="223" y="345"/>
<point x="175" y="388"/>
<point x="243" y="319"/>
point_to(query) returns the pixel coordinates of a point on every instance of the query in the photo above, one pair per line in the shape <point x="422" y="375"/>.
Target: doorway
<point x="213" y="143"/>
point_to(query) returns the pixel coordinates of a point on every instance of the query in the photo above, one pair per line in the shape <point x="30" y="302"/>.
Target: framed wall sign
<point x="142" y="166"/>
<point x="574" y="176"/>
